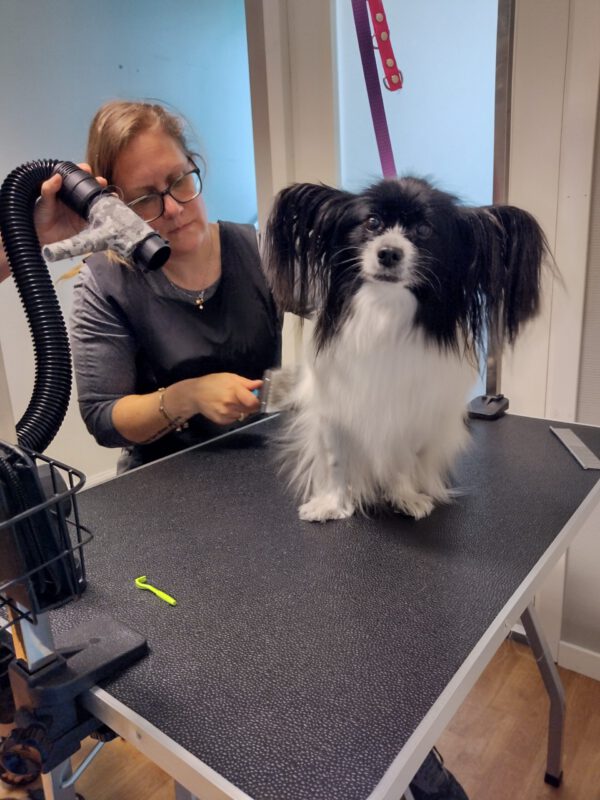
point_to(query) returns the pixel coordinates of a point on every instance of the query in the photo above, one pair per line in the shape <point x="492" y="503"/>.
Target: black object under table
<point x="308" y="661"/>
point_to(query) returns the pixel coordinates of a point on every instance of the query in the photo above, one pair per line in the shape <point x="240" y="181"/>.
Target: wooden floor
<point x="495" y="745"/>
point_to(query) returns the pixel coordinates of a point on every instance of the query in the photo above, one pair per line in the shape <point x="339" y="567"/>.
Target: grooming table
<point x="312" y="661"/>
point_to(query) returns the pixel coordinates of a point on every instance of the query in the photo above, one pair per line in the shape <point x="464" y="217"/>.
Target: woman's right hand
<point x="54" y="221"/>
<point x="223" y="397"/>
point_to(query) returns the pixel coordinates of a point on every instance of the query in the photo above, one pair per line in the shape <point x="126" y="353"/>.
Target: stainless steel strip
<point x="577" y="448"/>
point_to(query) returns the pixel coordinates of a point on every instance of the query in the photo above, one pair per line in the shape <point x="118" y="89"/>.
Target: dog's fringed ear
<point x="307" y="224"/>
<point x="509" y="251"/>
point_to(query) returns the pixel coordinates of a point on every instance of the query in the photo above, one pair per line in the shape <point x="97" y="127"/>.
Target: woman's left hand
<point x="54" y="221"/>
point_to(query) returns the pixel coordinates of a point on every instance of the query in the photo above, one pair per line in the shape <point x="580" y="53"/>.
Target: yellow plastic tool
<point x="142" y="583"/>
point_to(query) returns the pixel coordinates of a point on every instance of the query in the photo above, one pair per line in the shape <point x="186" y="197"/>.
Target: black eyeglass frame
<point x="161" y="195"/>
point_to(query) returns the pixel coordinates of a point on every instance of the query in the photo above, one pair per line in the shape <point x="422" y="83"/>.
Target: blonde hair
<point x="113" y="127"/>
<point x="117" y="122"/>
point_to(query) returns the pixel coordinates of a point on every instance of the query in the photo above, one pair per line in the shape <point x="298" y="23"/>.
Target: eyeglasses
<point x="183" y="189"/>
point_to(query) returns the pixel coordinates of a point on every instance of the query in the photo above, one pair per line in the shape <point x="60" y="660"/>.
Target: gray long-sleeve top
<point x="133" y="332"/>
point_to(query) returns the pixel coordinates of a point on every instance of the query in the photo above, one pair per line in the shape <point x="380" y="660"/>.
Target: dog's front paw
<point x="416" y="505"/>
<point x="324" y="507"/>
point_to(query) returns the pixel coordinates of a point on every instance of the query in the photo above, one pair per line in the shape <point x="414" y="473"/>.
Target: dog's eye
<point x="424" y="230"/>
<point x="373" y="223"/>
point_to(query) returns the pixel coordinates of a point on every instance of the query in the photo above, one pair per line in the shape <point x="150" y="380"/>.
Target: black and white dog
<point x="403" y="283"/>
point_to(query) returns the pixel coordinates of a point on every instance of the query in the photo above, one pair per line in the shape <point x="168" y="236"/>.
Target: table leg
<point x="52" y="783"/>
<point x="182" y="794"/>
<point x="555" y="690"/>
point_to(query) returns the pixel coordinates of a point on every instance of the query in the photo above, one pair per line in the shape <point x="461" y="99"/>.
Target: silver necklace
<point x="198" y="297"/>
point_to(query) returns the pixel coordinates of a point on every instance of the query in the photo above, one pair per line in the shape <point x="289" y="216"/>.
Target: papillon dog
<point x="403" y="283"/>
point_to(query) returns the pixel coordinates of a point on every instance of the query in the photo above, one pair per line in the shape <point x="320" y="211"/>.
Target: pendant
<point x="199" y="301"/>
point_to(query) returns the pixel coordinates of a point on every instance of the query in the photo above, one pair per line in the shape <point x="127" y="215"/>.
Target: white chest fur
<point x="381" y="412"/>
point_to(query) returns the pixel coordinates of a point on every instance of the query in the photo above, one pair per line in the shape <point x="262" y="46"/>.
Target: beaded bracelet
<point x="174" y="424"/>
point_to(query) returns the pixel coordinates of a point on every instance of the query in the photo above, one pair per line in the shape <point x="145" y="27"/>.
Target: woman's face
<point x="150" y="163"/>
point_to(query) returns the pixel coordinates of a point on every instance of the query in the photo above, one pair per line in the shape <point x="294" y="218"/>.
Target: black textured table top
<point x="300" y="657"/>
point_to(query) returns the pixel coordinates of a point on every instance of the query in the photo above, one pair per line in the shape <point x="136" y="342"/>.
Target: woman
<point x="169" y="358"/>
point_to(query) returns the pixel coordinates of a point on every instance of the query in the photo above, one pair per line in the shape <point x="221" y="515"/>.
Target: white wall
<point x="555" y="95"/>
<point x="582" y="598"/>
<point x="554" y="113"/>
<point x="59" y="61"/>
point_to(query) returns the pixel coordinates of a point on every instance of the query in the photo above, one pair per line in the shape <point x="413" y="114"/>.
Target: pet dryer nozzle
<point x="79" y="189"/>
<point x="113" y="225"/>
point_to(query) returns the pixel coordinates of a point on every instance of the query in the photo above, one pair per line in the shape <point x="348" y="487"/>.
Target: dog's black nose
<point x="389" y="257"/>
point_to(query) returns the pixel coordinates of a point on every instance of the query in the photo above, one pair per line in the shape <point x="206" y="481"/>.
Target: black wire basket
<point x="42" y="564"/>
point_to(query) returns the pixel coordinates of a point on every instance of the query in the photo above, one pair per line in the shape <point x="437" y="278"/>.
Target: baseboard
<point x="586" y="662"/>
<point x="517" y="632"/>
<point x="570" y="656"/>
